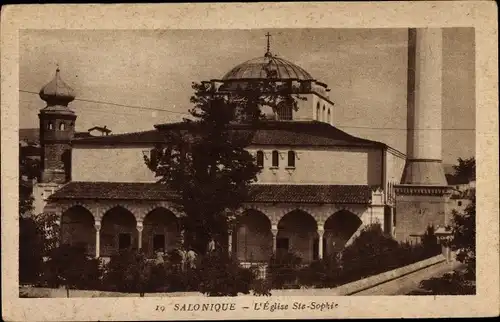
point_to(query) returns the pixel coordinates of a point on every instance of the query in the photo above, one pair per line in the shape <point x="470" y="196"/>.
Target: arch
<point x="118" y="230"/>
<point x="324" y="113"/>
<point x="62" y="126"/>
<point x="252" y="239"/>
<point x="329" y="117"/>
<point x="77" y="228"/>
<point x="260" y="159"/>
<point x="318" y="115"/>
<point x="275" y="159"/>
<point x="297" y="233"/>
<point x="291" y="159"/>
<point x="161" y="231"/>
<point x="339" y="228"/>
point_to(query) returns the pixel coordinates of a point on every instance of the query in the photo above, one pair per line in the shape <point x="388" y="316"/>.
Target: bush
<point x="261" y="287"/>
<point x="221" y="275"/>
<point x="30" y="251"/>
<point x="283" y="270"/>
<point x="322" y="273"/>
<point x="70" y="266"/>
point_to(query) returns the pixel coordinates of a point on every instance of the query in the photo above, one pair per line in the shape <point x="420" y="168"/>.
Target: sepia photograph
<point x="246" y="163"/>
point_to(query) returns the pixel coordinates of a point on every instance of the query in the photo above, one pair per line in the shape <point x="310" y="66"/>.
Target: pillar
<point x="274" y="230"/>
<point x="230" y="242"/>
<point x="423" y="193"/>
<point x="424" y="110"/>
<point x="139" y="227"/>
<point x="321" y="232"/>
<point x="97" y="226"/>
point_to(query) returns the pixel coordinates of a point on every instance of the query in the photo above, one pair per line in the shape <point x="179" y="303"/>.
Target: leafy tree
<point x="31" y="248"/>
<point x="464" y="237"/>
<point x="205" y="161"/>
<point x="70" y="266"/>
<point x="465" y="170"/>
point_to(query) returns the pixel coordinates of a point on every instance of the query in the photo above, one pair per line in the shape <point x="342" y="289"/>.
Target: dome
<point x="257" y="69"/>
<point x="57" y="92"/>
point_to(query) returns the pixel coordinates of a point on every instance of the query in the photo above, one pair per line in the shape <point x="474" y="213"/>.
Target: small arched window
<point x="324" y="114"/>
<point x="329" y="120"/>
<point x="260" y="159"/>
<point x="50" y="126"/>
<point x="317" y="113"/>
<point x="291" y="159"/>
<point x="62" y="126"/>
<point x="275" y="159"/>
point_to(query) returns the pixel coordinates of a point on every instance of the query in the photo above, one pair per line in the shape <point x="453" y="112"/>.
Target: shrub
<point x="261" y="287"/>
<point x="283" y="270"/>
<point x="70" y="266"/>
<point x="30" y="251"/>
<point x="221" y="275"/>
<point x="321" y="273"/>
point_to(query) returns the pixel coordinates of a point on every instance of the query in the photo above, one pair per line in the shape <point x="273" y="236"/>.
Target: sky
<point x="366" y="70"/>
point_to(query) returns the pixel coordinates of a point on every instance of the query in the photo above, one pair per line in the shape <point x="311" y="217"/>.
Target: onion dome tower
<point x="57" y="128"/>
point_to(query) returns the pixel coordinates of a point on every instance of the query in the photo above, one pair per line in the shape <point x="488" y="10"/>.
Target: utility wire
<point x="184" y="113"/>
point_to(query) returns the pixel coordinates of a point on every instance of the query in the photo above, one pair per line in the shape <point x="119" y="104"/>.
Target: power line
<point x="116" y="104"/>
<point x="183" y="113"/>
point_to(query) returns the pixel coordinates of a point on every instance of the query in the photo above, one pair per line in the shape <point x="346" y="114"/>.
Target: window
<point x="50" y="126"/>
<point x="275" y="159"/>
<point x="282" y="245"/>
<point x="158" y="243"/>
<point x="124" y="241"/>
<point x="329" y="117"/>
<point x="317" y="112"/>
<point x="460" y="204"/>
<point x="324" y="113"/>
<point x="284" y="111"/>
<point x="62" y="126"/>
<point x="260" y="159"/>
<point x="291" y="159"/>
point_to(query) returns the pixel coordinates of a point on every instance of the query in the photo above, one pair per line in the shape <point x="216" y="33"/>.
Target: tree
<point x="465" y="170"/>
<point x="464" y="237"/>
<point x="204" y="159"/>
<point x="70" y="266"/>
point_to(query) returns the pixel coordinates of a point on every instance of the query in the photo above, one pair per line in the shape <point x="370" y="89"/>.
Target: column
<point x="321" y="232"/>
<point x="139" y="227"/>
<point x="97" y="226"/>
<point x="274" y="230"/>
<point x="424" y="108"/>
<point x="230" y="242"/>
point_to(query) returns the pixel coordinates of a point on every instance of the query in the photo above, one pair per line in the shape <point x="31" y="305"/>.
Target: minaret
<point x="57" y="128"/>
<point x="422" y="195"/>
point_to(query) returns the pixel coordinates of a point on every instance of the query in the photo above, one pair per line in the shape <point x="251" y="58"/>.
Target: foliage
<point x="322" y="273"/>
<point x="205" y="161"/>
<point x="430" y="244"/>
<point x="455" y="283"/>
<point x="221" y="275"/>
<point x="464" y="237"/>
<point x="31" y="247"/>
<point x="261" y="287"/>
<point x="70" y="266"/>
<point x="29" y="169"/>
<point x="49" y="226"/>
<point x="465" y="170"/>
<point x="128" y="271"/>
<point x="283" y="269"/>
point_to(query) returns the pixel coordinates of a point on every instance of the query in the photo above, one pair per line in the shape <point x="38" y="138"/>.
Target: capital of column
<point x="97" y="225"/>
<point x="321" y="230"/>
<point x="274" y="230"/>
<point x="139" y="226"/>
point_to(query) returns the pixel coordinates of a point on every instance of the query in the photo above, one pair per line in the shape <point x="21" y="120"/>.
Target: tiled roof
<point x="288" y="133"/>
<point x="274" y="193"/>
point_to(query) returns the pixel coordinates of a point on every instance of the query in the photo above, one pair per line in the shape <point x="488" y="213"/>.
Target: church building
<point x="318" y="186"/>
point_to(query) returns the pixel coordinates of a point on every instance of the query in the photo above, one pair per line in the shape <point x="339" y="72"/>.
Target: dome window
<point x="62" y="127"/>
<point x="50" y="126"/>
<point x="291" y="159"/>
<point x="275" y="159"/>
<point x="260" y="159"/>
<point x="317" y="112"/>
<point x="329" y="116"/>
<point x="284" y="111"/>
<point x="324" y="113"/>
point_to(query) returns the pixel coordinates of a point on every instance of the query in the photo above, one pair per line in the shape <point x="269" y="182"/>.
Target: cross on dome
<point x="268" y="52"/>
